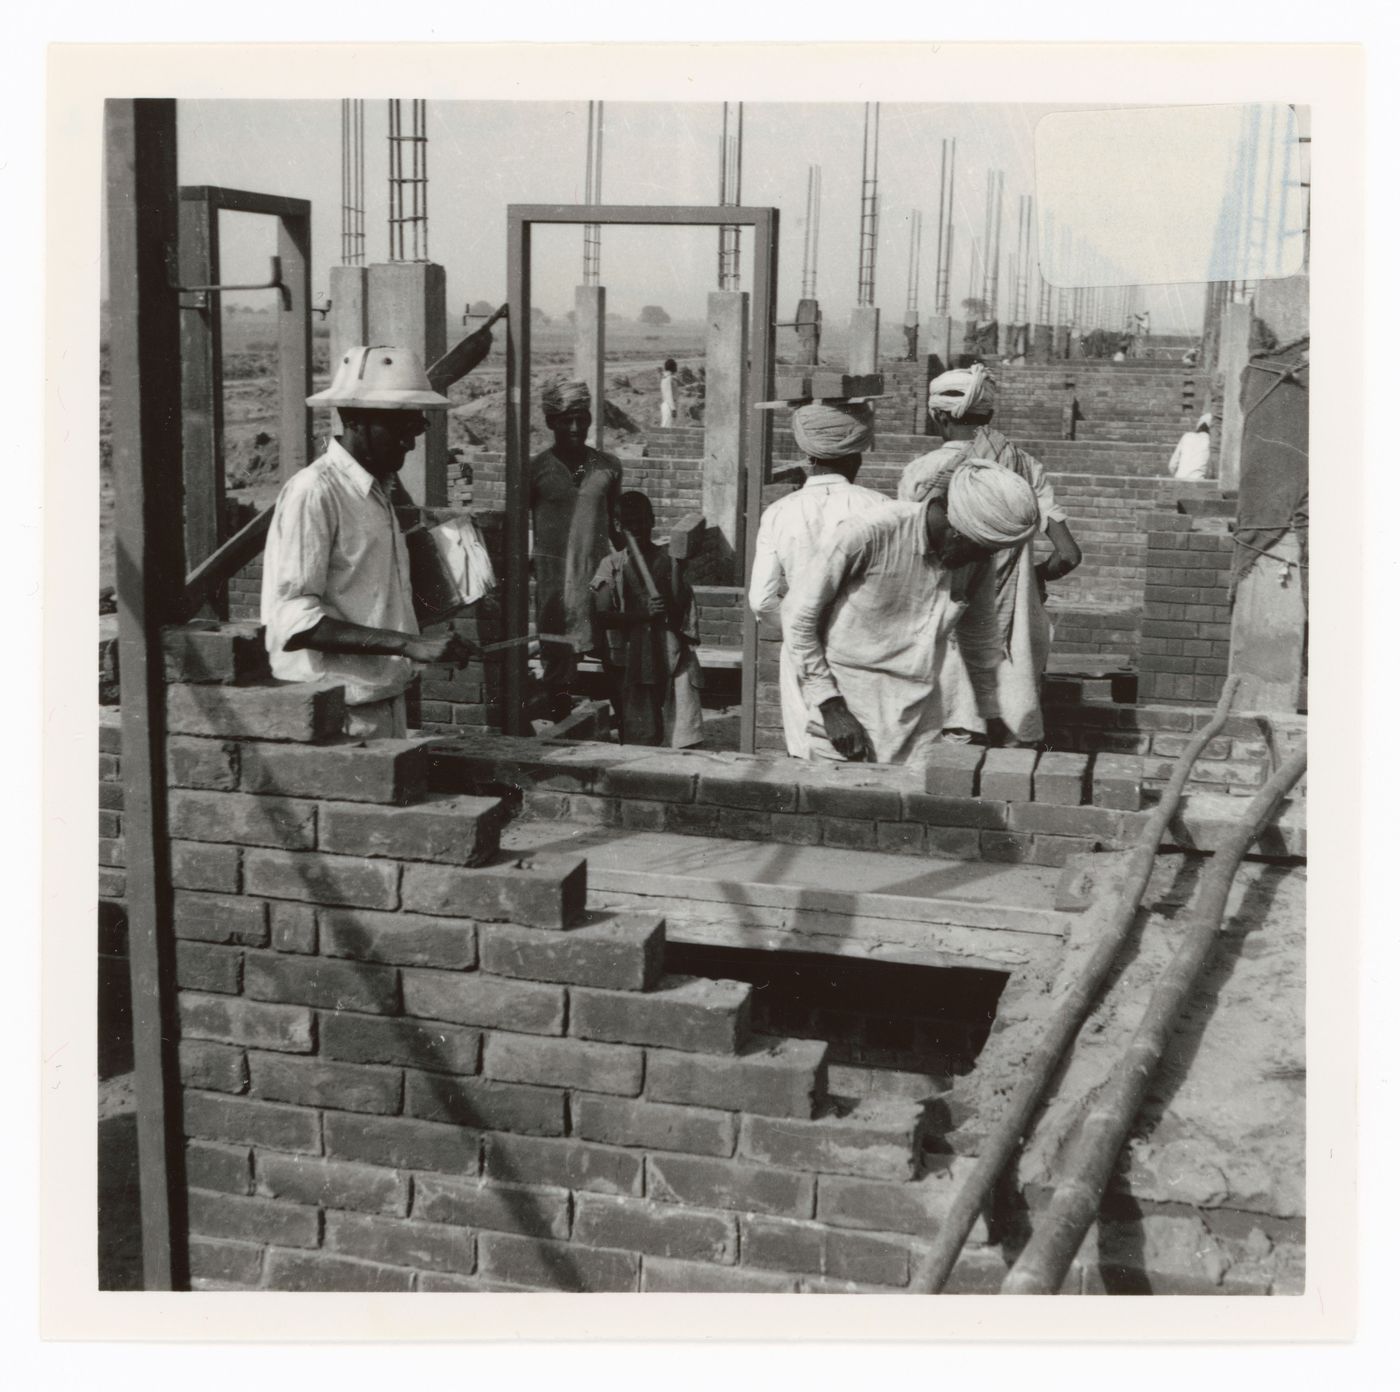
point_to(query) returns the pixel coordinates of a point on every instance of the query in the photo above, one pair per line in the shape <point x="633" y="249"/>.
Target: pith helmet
<point x="380" y="378"/>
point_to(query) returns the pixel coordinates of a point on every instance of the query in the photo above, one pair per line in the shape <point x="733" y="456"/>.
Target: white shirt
<point x="335" y="551"/>
<point x="1191" y="458"/>
<point x="870" y="623"/>
<point x="796" y="530"/>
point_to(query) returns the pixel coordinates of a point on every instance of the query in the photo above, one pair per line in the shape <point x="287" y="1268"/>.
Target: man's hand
<point x="656" y="607"/>
<point x="447" y="648"/>
<point x="844" y="731"/>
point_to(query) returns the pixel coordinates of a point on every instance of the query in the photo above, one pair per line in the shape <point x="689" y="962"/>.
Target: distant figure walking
<point x="1191" y="457"/>
<point x="668" y="393"/>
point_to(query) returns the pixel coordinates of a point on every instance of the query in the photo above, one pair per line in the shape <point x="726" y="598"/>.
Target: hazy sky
<point x="483" y="155"/>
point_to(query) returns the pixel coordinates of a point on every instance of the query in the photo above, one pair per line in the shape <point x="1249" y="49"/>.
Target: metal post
<point x="294" y="342"/>
<point x="515" y="604"/>
<point x="142" y="240"/>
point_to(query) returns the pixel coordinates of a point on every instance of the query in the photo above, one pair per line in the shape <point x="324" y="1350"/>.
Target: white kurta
<point x="870" y="623"/>
<point x="668" y="399"/>
<point x="335" y="550"/>
<point x="1191" y="457"/>
<point x="794" y="533"/>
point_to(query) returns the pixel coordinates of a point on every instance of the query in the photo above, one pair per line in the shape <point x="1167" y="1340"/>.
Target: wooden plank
<point x="201" y="388"/>
<point x="245" y="201"/>
<point x="515" y="600"/>
<point x="643" y="214"/>
<point x="294" y="341"/>
<point x="145" y="397"/>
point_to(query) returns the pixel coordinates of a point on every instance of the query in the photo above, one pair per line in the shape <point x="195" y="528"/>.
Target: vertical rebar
<point x="940" y="288"/>
<point x="593" y="194"/>
<point x="408" y="192"/>
<point x="916" y="236"/>
<point x="869" y="206"/>
<point x="731" y="172"/>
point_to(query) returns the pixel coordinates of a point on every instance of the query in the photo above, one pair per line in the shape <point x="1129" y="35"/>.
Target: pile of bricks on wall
<point x="903" y="409"/>
<point x="968" y="802"/>
<point x="721" y="610"/>
<point x="1185" y="649"/>
<point x="406" y="1070"/>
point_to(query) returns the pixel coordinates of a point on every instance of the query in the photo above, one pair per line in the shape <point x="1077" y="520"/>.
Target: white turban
<point x="928" y="474"/>
<point x="830" y="431"/>
<point x="1204" y="422"/>
<point x="962" y="390"/>
<point x="991" y="505"/>
<point x="558" y="397"/>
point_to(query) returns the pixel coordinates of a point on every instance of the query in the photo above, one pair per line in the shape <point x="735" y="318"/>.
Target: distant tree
<point x="976" y="307"/>
<point x="484" y="307"/>
<point x="653" y="314"/>
<point x="571" y="317"/>
<point x="538" y="316"/>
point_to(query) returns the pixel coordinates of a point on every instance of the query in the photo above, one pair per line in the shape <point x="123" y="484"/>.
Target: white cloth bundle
<point x="465" y="559"/>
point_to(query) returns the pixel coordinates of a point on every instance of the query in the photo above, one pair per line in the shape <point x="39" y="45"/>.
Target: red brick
<point x="348" y="1087"/>
<point x="661" y="778"/>
<point x="490" y="1106"/>
<point x="545" y="891"/>
<point x="322" y="879"/>
<point x="284" y="823"/>
<point x="1005" y="846"/>
<point x="392" y="1040"/>
<point x="332" y="1184"/>
<point x="1101" y="823"/>
<point x="201" y="763"/>
<point x="953" y="843"/>
<point x="228" y="1169"/>
<point x="204" y="967"/>
<point x="700" y="820"/>
<point x="758" y="786"/>
<point x="401" y="939"/>
<point x="240" y="1121"/>
<point x="215" y="1066"/>
<point x="660" y="1230"/>
<point x="285" y="1028"/>
<point x="228" y="1263"/>
<point x="663" y="1274"/>
<point x="571" y="1063"/>
<point x="468" y="998"/>
<point x="1057" y="850"/>
<point x="1061" y="778"/>
<point x="232" y="654"/>
<point x="900" y="838"/>
<point x="387" y="771"/>
<point x="796" y="830"/>
<point x="560" y="1266"/>
<point x="1117" y="781"/>
<point x="1007" y="774"/>
<point x="877" y="1140"/>
<point x="813" y="1249"/>
<point x="252" y="1220"/>
<point x="848" y="835"/>
<point x="703" y="1182"/>
<point x="588" y="810"/>
<point x="684" y="1012"/>
<point x="509" y="1208"/>
<point x="329" y="985"/>
<point x="621" y="952"/>
<point x="430" y="1246"/>
<point x="839" y="794"/>
<point x="771" y="1077"/>
<point x="109" y="826"/>
<point x="300" y="711"/>
<point x="316" y="1271"/>
<point x="918" y="1207"/>
<point x="951" y="770"/>
<point x="954" y="811"/>
<point x="214" y="918"/>
<point x="293" y="927"/>
<point x="562" y="1164"/>
<point x="642" y="816"/>
<point x="401" y="1143"/>
<point x="449" y="830"/>
<point x="654" y="1125"/>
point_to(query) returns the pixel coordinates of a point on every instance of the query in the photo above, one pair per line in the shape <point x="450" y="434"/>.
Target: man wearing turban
<point x="1008" y="708"/>
<point x="574" y="496"/>
<point x="869" y="624"/>
<point x="795" y="532"/>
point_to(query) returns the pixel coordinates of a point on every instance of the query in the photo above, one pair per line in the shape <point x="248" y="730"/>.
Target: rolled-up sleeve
<point x="1050" y="510"/>
<point x="296" y="561"/>
<point x="810" y="602"/>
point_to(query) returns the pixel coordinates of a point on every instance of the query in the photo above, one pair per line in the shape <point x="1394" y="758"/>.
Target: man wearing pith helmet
<point x="336" y="600"/>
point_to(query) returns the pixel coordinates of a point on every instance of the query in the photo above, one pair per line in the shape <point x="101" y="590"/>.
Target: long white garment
<point x="870" y="623"/>
<point x="793" y="533"/>
<point x="334" y="550"/>
<point x="668" y="399"/>
<point x="1191" y="457"/>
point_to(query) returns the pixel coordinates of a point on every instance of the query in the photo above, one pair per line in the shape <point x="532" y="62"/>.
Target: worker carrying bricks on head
<point x="574" y="492"/>
<point x="794" y="533"/>
<point x="336" y="599"/>
<point x="869" y="624"/>
<point x="648" y="631"/>
<point x="961" y="403"/>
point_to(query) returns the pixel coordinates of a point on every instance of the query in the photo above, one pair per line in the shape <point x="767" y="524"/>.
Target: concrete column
<point x="590" y="316"/>
<point x="863" y="353"/>
<point x="1042" y="342"/>
<point x="1062" y="337"/>
<point x="407" y="306"/>
<point x="726" y="420"/>
<point x="938" y="338"/>
<point x="348" y="319"/>
<point x="809" y="332"/>
<point x="1266" y="635"/>
<point x="1234" y="357"/>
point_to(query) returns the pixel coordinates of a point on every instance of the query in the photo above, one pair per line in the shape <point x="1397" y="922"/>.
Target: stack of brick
<point x="1185" y="652"/>
<point x="721" y="609"/>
